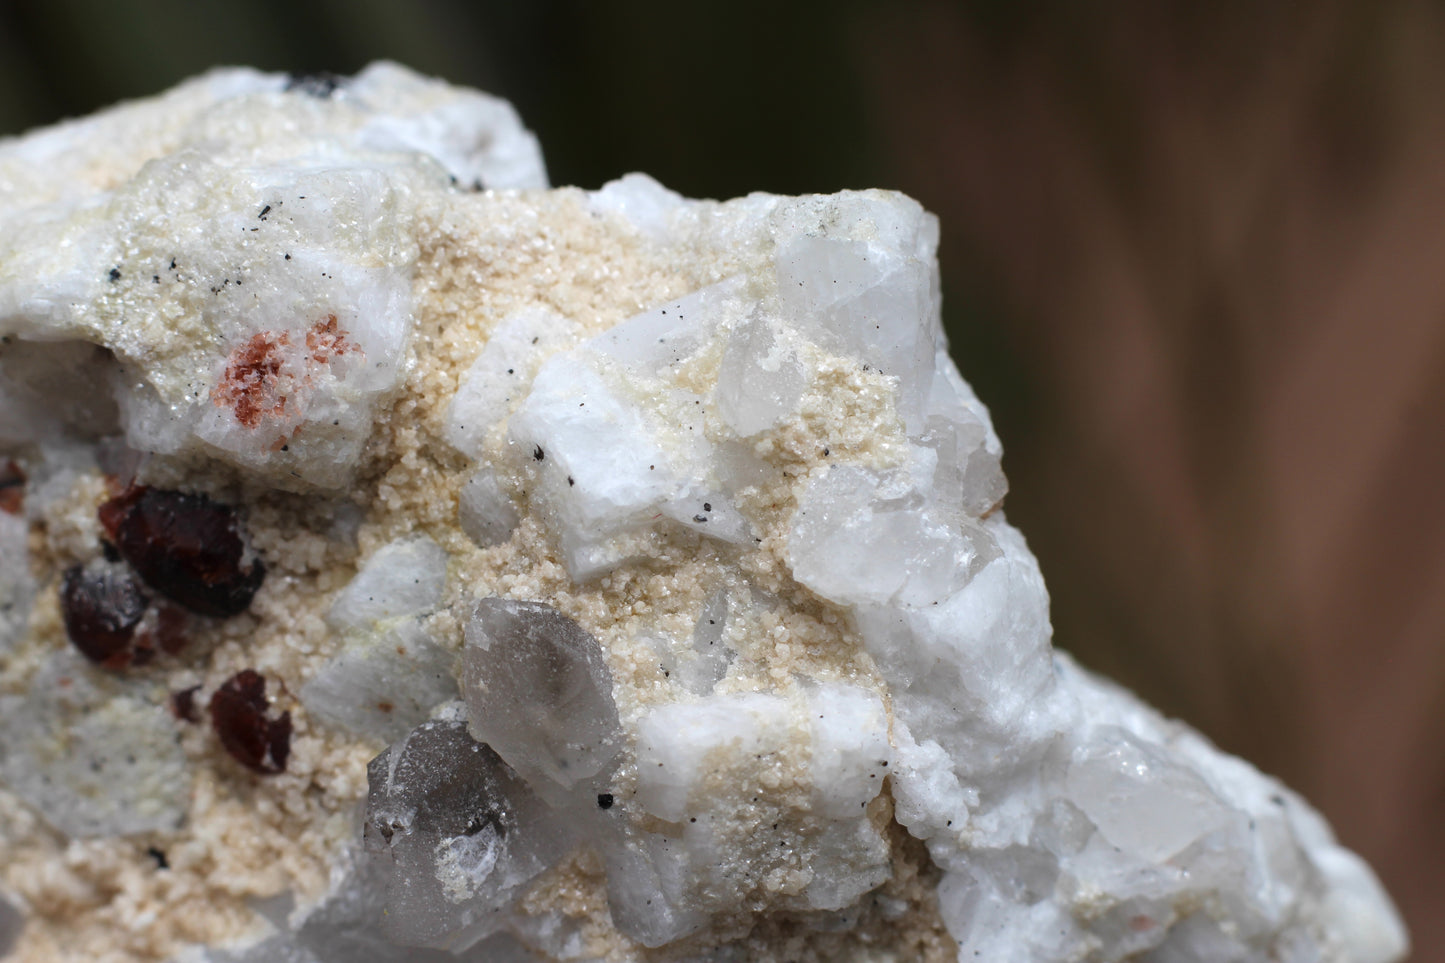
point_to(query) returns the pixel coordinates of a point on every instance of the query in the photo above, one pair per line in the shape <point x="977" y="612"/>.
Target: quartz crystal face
<point x="460" y="833"/>
<point x="402" y="560"/>
<point x="540" y="693"/>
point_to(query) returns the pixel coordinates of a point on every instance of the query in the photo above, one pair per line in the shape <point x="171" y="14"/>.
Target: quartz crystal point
<point x="461" y="833"/>
<point x="539" y="693"/>
<point x="651" y="551"/>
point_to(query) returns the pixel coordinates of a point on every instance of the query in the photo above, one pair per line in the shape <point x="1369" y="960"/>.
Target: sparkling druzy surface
<point x="400" y="560"/>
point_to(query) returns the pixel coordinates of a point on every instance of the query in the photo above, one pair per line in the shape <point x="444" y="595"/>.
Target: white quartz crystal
<point x="658" y="541"/>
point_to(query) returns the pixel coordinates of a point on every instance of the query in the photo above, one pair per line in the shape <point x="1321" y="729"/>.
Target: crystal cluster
<point x="402" y="561"/>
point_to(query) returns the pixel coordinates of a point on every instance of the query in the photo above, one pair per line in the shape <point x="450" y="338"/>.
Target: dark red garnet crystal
<point x="238" y="714"/>
<point x="12" y="488"/>
<point x="102" y="603"/>
<point x="183" y="704"/>
<point x="187" y="547"/>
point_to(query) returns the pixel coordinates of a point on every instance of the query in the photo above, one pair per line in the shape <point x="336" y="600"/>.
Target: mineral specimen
<point x="402" y="561"/>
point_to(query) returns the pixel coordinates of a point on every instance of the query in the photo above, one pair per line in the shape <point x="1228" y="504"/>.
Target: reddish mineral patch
<point x="114" y="510"/>
<point x="251" y="384"/>
<point x="183" y="704"/>
<point x="164" y="629"/>
<point x="238" y="714"/>
<point x="12" y="488"/>
<point x="326" y="340"/>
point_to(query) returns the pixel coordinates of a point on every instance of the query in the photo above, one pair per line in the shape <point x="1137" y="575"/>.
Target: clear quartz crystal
<point x="460" y="833"/>
<point x="11" y="922"/>
<point x="539" y="692"/>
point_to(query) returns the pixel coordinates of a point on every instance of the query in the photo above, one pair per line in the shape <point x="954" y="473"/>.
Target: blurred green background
<point x="1193" y="257"/>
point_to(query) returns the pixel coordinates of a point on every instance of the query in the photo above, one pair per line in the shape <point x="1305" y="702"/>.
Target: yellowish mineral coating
<point x="250" y="838"/>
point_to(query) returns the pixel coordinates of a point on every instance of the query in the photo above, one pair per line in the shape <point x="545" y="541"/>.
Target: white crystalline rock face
<point x="502" y="375"/>
<point x="94" y="756"/>
<point x="243" y="250"/>
<point x="659" y="540"/>
<point x="389" y="673"/>
<point x="16" y="584"/>
<point x="629" y="445"/>
<point x="697" y="765"/>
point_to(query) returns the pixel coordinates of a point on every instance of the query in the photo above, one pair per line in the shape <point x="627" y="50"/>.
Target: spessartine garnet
<point x="186" y="547"/>
<point x="239" y="716"/>
<point x="101" y="604"/>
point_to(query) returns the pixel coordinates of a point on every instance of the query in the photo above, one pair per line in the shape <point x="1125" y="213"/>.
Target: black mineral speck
<point x="604" y="800"/>
<point x="114" y="274"/>
<point x="538" y="453"/>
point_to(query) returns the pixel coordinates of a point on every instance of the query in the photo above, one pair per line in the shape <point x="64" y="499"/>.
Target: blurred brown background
<point x="1194" y="260"/>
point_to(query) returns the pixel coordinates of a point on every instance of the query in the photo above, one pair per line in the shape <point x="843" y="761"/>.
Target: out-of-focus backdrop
<point x="1193" y="258"/>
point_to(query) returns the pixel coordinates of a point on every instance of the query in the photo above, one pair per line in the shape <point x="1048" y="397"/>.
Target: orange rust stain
<point x="283" y="440"/>
<point x="249" y="384"/>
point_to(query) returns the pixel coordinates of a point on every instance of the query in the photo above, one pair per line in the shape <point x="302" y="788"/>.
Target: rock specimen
<point x="402" y="561"/>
